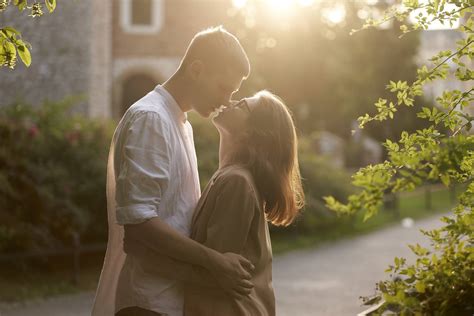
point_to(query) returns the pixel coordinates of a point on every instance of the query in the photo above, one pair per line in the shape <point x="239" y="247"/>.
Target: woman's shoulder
<point x="237" y="177"/>
<point x="236" y="173"/>
<point x="236" y="182"/>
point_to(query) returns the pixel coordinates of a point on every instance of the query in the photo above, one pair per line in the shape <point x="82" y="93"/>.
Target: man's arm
<point x="230" y="270"/>
<point x="168" y="267"/>
<point x="142" y="179"/>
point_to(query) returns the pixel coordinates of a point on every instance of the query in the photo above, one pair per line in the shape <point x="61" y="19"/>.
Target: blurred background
<point x="93" y="59"/>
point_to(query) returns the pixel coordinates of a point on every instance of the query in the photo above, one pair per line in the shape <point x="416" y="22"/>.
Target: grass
<point x="39" y="279"/>
<point x="36" y="280"/>
<point x="412" y="205"/>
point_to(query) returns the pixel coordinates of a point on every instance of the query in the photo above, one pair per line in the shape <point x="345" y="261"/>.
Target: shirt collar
<point x="174" y="107"/>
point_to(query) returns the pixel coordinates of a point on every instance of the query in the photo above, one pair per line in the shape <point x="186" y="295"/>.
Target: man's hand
<point x="233" y="273"/>
<point x="232" y="270"/>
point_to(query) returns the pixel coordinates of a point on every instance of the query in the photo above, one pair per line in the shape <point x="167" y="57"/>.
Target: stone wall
<point x="83" y="50"/>
<point x="157" y="54"/>
<point x="60" y="55"/>
<point x="181" y="20"/>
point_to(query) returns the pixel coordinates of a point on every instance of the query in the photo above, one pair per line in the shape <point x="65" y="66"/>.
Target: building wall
<point x="83" y="49"/>
<point x="100" y="76"/>
<point x="60" y="55"/>
<point x="181" y="20"/>
<point x="157" y="54"/>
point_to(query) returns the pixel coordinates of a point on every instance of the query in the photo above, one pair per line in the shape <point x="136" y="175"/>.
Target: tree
<point x="11" y="43"/>
<point x="441" y="281"/>
<point x="327" y="76"/>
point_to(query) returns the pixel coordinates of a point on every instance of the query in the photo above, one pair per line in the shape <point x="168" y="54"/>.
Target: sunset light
<point x="280" y="5"/>
<point x="236" y="157"/>
<point x="239" y="3"/>
<point x="335" y="15"/>
<point x="436" y="25"/>
<point x="306" y="3"/>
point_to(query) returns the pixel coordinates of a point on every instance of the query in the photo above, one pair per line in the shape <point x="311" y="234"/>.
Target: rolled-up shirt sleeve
<point x="143" y="172"/>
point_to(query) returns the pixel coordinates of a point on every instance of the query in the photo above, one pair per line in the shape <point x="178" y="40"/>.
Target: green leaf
<point x="21" y="4"/>
<point x="11" y="30"/>
<point x="468" y="126"/>
<point x="51" y="5"/>
<point x="420" y="287"/>
<point x="25" y="55"/>
<point x="10" y="47"/>
<point x="445" y="179"/>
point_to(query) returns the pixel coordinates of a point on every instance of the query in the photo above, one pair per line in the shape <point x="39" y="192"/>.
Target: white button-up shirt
<point x="156" y="176"/>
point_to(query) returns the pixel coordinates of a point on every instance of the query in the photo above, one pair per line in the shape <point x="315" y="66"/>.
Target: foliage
<point x="52" y="176"/>
<point x="206" y="141"/>
<point x="11" y="43"/>
<point x="440" y="282"/>
<point x="320" y="178"/>
<point x="325" y="75"/>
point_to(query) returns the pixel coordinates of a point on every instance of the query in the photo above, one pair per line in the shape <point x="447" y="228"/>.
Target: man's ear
<point x="195" y="69"/>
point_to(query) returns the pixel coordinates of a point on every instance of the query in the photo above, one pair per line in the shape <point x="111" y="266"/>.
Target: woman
<point x="257" y="181"/>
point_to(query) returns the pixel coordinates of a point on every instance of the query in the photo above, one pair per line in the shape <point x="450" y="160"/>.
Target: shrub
<point x="52" y="176"/>
<point x="441" y="282"/>
<point x="320" y="178"/>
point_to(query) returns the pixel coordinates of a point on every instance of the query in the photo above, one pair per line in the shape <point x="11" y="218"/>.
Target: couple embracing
<point x="172" y="250"/>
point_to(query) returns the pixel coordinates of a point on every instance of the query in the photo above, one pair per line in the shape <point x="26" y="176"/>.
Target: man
<point x="153" y="184"/>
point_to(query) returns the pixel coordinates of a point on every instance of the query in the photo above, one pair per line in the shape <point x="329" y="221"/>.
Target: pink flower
<point x="73" y="137"/>
<point x="33" y="131"/>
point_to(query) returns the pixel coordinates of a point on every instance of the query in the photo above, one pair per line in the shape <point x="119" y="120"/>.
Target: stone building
<point x="63" y="61"/>
<point x="149" y="38"/>
<point x="431" y="43"/>
<point x="111" y="52"/>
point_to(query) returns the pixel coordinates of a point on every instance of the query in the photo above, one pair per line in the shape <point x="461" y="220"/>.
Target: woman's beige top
<point x="229" y="218"/>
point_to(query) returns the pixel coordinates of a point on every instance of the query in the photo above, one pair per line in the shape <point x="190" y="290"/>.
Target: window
<point x="134" y="88"/>
<point x="141" y="16"/>
<point x="141" y="12"/>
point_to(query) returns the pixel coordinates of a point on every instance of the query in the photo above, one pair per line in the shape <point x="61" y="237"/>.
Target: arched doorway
<point x="134" y="87"/>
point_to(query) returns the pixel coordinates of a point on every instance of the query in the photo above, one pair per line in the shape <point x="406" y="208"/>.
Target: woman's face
<point x="233" y="119"/>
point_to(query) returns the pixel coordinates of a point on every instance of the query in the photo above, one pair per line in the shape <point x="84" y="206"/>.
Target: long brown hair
<point x="268" y="148"/>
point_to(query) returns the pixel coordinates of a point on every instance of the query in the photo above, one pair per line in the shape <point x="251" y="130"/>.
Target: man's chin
<point x="209" y="113"/>
<point x="205" y="113"/>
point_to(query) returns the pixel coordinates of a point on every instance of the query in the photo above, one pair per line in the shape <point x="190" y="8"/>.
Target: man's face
<point x="214" y="89"/>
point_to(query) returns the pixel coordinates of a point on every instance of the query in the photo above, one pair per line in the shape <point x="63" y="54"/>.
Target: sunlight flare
<point x="239" y="4"/>
<point x="306" y="3"/>
<point x="279" y="5"/>
<point x="335" y="14"/>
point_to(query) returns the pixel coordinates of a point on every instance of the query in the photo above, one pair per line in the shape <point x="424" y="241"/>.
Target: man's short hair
<point x="217" y="48"/>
